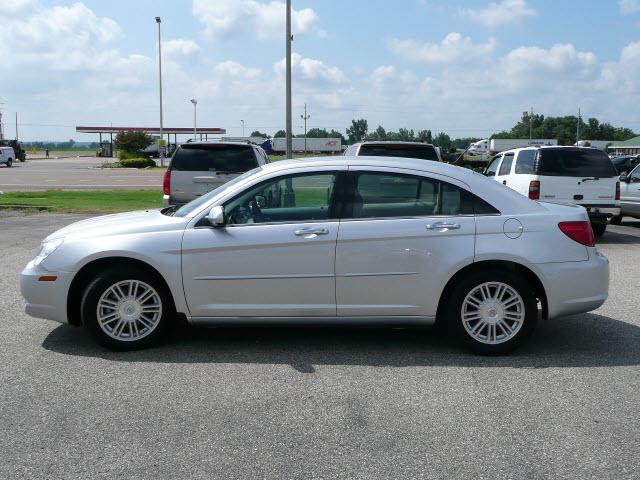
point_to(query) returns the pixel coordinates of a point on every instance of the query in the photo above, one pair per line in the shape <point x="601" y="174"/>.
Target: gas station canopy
<point x="152" y="130"/>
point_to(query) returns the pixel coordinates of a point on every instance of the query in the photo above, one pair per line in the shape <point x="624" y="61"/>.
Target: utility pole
<point x="16" y="126"/>
<point x="160" y="148"/>
<point x="578" y="129"/>
<point x="195" y="123"/>
<point x="531" y="126"/>
<point x="288" y="75"/>
<point x="305" y="117"/>
<point x="242" y="121"/>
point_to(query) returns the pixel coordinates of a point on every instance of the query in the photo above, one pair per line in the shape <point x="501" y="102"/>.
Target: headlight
<point x="47" y="248"/>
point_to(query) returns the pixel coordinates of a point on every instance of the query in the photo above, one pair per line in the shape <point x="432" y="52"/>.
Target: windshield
<point x="198" y="202"/>
<point x="213" y="157"/>
<point x="578" y="162"/>
<point x="423" y="152"/>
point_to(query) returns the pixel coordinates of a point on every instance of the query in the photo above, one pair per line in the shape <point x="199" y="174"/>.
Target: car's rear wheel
<point x="617" y="220"/>
<point x="127" y="309"/>
<point x="492" y="312"/>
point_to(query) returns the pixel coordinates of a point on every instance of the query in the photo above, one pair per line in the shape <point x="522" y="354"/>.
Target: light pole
<point x="305" y="117"/>
<point x="288" y="75"/>
<point x="195" y="123"/>
<point x="242" y="121"/>
<point x="160" y="149"/>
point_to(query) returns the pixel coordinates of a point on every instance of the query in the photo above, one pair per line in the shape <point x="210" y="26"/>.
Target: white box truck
<point x="324" y="145"/>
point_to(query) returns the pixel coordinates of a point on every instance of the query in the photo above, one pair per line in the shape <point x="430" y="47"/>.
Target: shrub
<point x="137" y="163"/>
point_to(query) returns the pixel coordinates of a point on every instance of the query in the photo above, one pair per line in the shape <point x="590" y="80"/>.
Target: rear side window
<point x="384" y="195"/>
<point x="214" y="158"/>
<point x="570" y="162"/>
<point x="505" y="168"/>
<point x="525" y="162"/>
<point x="422" y="152"/>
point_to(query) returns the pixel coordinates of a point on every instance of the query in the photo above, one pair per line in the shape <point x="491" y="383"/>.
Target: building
<point x="628" y="147"/>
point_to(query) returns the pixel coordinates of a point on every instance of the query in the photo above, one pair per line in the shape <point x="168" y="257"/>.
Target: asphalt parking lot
<point x="320" y="402"/>
<point x="76" y="173"/>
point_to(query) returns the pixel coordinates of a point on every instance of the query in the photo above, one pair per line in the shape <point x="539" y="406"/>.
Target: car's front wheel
<point x="493" y="312"/>
<point x="127" y="309"/>
<point x="9" y="163"/>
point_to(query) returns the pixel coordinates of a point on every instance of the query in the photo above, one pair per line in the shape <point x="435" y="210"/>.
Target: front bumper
<point x="45" y="299"/>
<point x="576" y="287"/>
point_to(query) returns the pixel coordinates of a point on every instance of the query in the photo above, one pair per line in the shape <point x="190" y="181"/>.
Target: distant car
<point x="422" y="151"/>
<point x="625" y="163"/>
<point x="7" y="156"/>
<point x="345" y="240"/>
<point x="629" y="196"/>
<point x="199" y="167"/>
<point x="576" y="175"/>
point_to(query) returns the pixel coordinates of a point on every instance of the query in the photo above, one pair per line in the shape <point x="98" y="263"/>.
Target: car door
<point x="275" y="255"/>
<point x="401" y="237"/>
<point x="630" y="194"/>
<point x="504" y="172"/>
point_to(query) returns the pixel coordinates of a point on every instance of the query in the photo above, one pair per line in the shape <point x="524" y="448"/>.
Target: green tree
<point x="280" y="134"/>
<point x="256" y="133"/>
<point x="378" y="134"/>
<point x="425" y="136"/>
<point x="317" y="133"/>
<point x="358" y="130"/>
<point x="336" y="134"/>
<point x="131" y="142"/>
<point x="443" y="141"/>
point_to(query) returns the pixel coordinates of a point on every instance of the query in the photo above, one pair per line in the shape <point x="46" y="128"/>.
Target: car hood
<point x="121" y="223"/>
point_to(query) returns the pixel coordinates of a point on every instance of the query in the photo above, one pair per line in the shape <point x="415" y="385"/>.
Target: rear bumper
<point x="576" y="287"/>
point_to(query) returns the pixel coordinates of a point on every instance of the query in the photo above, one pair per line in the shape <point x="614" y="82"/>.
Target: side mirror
<point x="490" y="174"/>
<point x="624" y="177"/>
<point x="215" y="216"/>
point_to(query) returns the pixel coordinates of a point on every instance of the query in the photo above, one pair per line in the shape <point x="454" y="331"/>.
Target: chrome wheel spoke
<point x="493" y="313"/>
<point x="129" y="310"/>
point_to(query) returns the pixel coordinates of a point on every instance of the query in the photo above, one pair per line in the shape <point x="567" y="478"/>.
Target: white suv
<point x="199" y="167"/>
<point x="7" y="156"/>
<point x="575" y="175"/>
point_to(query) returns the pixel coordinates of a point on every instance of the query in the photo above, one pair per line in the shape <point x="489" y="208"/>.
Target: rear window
<point x="214" y="158"/>
<point x="422" y="152"/>
<point x="567" y="162"/>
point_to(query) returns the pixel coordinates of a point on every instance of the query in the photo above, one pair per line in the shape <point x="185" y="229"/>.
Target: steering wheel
<point x="256" y="213"/>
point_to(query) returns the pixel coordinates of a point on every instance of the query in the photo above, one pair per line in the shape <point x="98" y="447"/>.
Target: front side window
<point x="384" y="195"/>
<point x="635" y="175"/>
<point x="294" y="198"/>
<point x="493" y="166"/>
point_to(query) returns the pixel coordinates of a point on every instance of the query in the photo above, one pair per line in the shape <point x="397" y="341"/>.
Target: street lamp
<point x="305" y="117"/>
<point x="195" y="129"/>
<point x="288" y="81"/>
<point x="242" y="121"/>
<point x="160" y="149"/>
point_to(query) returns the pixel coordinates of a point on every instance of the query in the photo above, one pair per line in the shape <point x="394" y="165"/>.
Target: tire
<point x="9" y="163"/>
<point x="499" y="334"/>
<point x="617" y="220"/>
<point x="113" y="295"/>
<point x="599" y="229"/>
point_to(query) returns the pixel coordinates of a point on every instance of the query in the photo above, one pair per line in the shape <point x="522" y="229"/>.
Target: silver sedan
<point x="358" y="239"/>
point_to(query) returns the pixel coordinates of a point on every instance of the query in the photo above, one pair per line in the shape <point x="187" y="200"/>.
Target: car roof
<point x="218" y="142"/>
<point x="548" y="147"/>
<point x="393" y="142"/>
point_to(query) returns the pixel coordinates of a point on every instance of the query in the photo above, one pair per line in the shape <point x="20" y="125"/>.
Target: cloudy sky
<point x="467" y="67"/>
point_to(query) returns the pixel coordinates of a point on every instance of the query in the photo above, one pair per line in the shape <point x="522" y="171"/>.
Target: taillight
<point x="617" y="190"/>
<point x="580" y="232"/>
<point x="534" y="190"/>
<point x="166" y="182"/>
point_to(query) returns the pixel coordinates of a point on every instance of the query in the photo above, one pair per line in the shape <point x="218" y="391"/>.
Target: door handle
<point x="311" y="232"/>
<point x="443" y="226"/>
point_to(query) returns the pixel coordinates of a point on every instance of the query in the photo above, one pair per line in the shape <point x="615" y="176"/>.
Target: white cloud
<point x="233" y="69"/>
<point x="453" y="48"/>
<point x="629" y="7"/>
<point x="225" y="19"/>
<point x="497" y="14"/>
<point x="179" y="48"/>
<point x="14" y="7"/>
<point x="311" y="70"/>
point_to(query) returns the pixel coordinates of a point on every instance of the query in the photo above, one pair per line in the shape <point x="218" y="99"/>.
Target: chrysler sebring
<point x="348" y="239"/>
